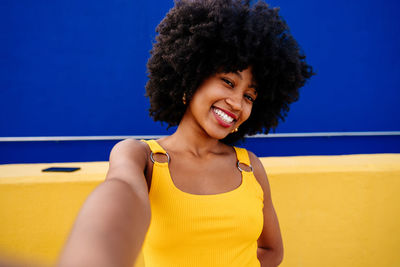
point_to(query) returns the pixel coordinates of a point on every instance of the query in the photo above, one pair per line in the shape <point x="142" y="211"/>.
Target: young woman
<point x="220" y="69"/>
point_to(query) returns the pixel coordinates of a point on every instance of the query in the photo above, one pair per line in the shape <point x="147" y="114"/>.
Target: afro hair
<point x="198" y="38"/>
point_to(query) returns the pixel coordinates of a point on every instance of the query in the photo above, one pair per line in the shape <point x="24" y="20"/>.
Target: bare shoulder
<point x="128" y="160"/>
<point x="129" y="150"/>
<point x="259" y="172"/>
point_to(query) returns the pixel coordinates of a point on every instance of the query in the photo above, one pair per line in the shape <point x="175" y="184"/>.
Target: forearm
<point x="110" y="228"/>
<point x="269" y="257"/>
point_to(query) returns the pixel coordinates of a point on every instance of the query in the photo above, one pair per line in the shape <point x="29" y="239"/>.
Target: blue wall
<point x="77" y="68"/>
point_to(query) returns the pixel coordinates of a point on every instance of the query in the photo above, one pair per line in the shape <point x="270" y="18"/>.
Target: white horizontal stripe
<point x="273" y="135"/>
<point x="77" y="138"/>
<point x="327" y="134"/>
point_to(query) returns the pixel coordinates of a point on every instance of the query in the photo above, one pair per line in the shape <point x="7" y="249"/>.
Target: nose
<point x="234" y="101"/>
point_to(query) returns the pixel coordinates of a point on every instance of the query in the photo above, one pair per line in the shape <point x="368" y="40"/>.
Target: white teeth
<point x="225" y="117"/>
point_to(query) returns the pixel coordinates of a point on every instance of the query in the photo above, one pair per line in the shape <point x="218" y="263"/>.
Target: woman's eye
<point x="228" y="82"/>
<point x="249" y="97"/>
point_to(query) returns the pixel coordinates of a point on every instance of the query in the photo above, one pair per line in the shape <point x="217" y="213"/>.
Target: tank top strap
<point x="242" y="155"/>
<point x="154" y="146"/>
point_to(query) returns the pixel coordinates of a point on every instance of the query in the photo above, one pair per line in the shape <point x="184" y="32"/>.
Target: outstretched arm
<point x="112" y="224"/>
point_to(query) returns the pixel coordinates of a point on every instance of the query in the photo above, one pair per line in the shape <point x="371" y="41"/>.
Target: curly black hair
<point x="198" y="38"/>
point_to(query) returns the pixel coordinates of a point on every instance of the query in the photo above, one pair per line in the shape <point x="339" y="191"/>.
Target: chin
<point x="216" y="131"/>
<point x="218" y="135"/>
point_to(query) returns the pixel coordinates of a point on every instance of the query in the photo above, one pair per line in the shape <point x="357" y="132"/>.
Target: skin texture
<point x="232" y="92"/>
<point x="112" y="224"/>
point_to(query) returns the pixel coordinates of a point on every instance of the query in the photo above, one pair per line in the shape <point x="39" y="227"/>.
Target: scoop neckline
<point x="192" y="195"/>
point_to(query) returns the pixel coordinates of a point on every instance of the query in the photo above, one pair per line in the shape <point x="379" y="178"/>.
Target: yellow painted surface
<point x="37" y="209"/>
<point x="333" y="210"/>
<point x="338" y="210"/>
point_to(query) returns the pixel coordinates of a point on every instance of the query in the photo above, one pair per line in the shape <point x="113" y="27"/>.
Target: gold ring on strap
<point x="240" y="169"/>
<point x="152" y="159"/>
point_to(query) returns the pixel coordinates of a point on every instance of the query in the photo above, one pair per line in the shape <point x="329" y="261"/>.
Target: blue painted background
<point x="77" y="68"/>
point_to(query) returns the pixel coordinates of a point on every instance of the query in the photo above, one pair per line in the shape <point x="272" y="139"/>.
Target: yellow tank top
<point x="203" y="230"/>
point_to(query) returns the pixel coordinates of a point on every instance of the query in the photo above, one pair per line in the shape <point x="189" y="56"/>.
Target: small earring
<point x="235" y="130"/>
<point x="184" y="99"/>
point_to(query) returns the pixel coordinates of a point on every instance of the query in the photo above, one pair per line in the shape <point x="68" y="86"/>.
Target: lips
<point x="224" y="117"/>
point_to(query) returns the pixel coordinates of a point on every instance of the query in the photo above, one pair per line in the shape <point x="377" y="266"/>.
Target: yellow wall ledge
<point x="333" y="210"/>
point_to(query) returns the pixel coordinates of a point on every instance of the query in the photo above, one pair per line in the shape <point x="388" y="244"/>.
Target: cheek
<point x="246" y="112"/>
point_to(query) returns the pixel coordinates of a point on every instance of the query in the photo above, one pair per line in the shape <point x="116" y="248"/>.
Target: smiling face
<point x="222" y="103"/>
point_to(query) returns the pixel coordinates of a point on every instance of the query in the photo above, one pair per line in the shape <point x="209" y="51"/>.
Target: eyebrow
<point x="253" y="86"/>
<point x="254" y="91"/>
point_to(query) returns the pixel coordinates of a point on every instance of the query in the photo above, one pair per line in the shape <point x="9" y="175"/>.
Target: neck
<point x="193" y="139"/>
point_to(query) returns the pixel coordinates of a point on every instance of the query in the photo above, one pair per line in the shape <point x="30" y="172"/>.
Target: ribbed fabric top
<point x="203" y="230"/>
